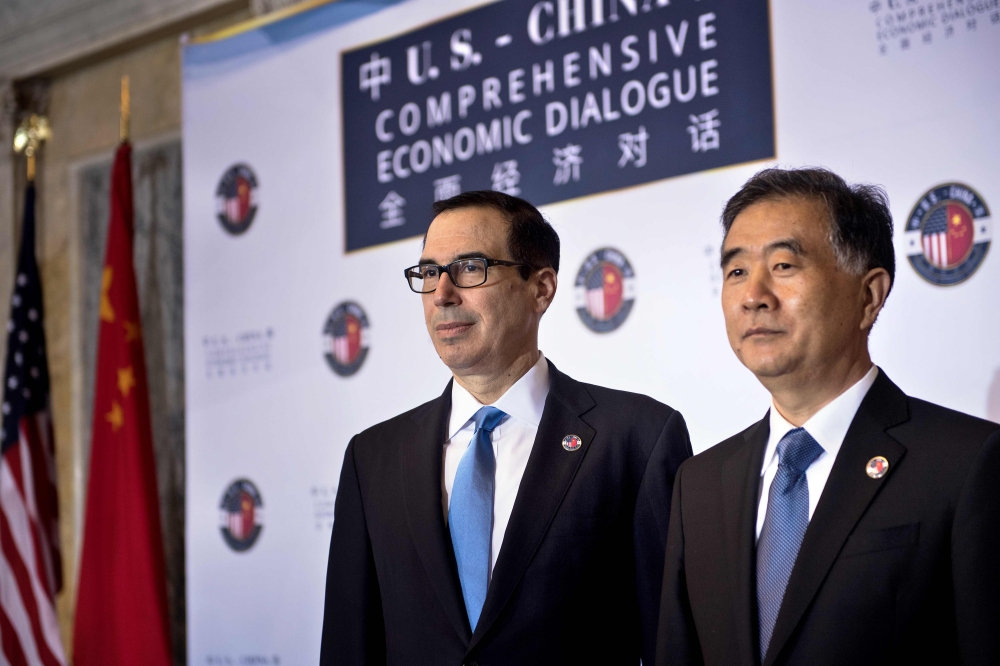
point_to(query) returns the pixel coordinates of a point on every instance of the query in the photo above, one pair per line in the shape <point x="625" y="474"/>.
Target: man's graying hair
<point x="860" y="221"/>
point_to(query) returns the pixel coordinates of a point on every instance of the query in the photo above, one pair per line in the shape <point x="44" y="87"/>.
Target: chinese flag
<point x="121" y="608"/>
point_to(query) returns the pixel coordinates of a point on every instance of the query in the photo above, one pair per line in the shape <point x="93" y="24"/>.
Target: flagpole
<point x="126" y="101"/>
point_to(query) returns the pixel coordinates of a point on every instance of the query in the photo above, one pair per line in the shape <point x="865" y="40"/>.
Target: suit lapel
<point x="547" y="477"/>
<point x="740" y="478"/>
<point x="421" y="458"/>
<point x="845" y="498"/>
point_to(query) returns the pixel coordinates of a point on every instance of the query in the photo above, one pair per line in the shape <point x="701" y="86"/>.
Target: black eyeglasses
<point x="464" y="273"/>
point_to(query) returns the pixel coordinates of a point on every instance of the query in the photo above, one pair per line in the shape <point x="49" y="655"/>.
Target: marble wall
<point x="69" y="57"/>
<point x="83" y="112"/>
<point x="82" y="104"/>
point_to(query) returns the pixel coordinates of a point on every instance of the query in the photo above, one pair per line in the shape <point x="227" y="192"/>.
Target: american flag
<point x="30" y="558"/>
<point x="595" y="302"/>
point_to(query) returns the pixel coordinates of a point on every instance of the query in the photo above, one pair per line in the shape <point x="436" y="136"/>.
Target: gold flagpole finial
<point x="126" y="110"/>
<point x="30" y="134"/>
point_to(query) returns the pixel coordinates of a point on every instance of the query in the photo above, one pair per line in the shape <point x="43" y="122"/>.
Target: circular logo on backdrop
<point x="345" y="336"/>
<point x="605" y="290"/>
<point x="241" y="514"/>
<point x="236" y="199"/>
<point x="948" y="234"/>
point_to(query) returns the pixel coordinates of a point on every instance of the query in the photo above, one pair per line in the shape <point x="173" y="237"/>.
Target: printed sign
<point x="549" y="101"/>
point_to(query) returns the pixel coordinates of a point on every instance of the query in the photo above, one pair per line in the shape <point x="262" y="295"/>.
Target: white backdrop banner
<point x="314" y="146"/>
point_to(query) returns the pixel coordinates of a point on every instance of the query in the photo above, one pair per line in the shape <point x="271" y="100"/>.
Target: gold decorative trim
<point x="32" y="132"/>
<point x="254" y="23"/>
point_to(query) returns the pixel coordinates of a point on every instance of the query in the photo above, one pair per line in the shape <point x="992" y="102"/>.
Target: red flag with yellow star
<point x="121" y="609"/>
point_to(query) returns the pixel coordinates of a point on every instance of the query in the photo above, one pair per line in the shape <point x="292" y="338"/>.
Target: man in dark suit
<point x="853" y="524"/>
<point x="521" y="517"/>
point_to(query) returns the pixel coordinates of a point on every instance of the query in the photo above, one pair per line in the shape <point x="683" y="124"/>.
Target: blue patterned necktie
<point x="785" y="525"/>
<point x="470" y="515"/>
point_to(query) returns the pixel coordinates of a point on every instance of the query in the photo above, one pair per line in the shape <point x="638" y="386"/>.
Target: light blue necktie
<point x="470" y="515"/>
<point x="785" y="525"/>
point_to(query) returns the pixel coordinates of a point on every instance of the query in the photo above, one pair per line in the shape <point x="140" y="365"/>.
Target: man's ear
<point x="544" y="283"/>
<point x="875" y="287"/>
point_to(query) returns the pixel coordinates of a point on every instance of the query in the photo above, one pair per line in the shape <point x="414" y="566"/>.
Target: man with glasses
<point x="521" y="517"/>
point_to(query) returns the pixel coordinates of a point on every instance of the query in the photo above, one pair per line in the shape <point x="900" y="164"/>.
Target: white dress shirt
<point x="512" y="441"/>
<point x="828" y="427"/>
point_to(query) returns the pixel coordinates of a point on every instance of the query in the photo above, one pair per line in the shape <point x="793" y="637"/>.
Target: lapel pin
<point x="877" y="467"/>
<point x="572" y="442"/>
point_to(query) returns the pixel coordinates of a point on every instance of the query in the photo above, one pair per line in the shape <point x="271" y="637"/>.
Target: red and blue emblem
<point x="948" y="234"/>
<point x="877" y="467"/>
<point x="241" y="515"/>
<point x="345" y="337"/>
<point x="572" y="442"/>
<point x="605" y="290"/>
<point x="236" y="199"/>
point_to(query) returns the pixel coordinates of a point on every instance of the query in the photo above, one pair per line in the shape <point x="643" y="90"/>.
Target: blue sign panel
<point x="549" y="101"/>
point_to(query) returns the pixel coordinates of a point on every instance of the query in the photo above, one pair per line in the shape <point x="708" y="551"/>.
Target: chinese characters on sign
<point x="550" y="101"/>
<point x="704" y="131"/>
<point x="374" y="74"/>
<point x="506" y="177"/>
<point x="567" y="161"/>
<point x="633" y="147"/>
<point x="447" y="187"/>
<point x="392" y="211"/>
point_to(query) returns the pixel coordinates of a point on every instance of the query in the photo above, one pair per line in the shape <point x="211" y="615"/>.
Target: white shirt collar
<point x="829" y="425"/>
<point x="524" y="401"/>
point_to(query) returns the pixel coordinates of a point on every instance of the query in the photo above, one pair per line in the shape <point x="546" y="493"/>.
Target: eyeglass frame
<point x="446" y="270"/>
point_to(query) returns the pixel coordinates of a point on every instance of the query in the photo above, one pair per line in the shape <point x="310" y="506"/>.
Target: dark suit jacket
<point x="904" y="569"/>
<point x="578" y="576"/>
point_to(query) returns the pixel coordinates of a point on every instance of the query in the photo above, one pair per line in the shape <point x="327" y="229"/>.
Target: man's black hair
<point x="860" y="221"/>
<point x="530" y="239"/>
